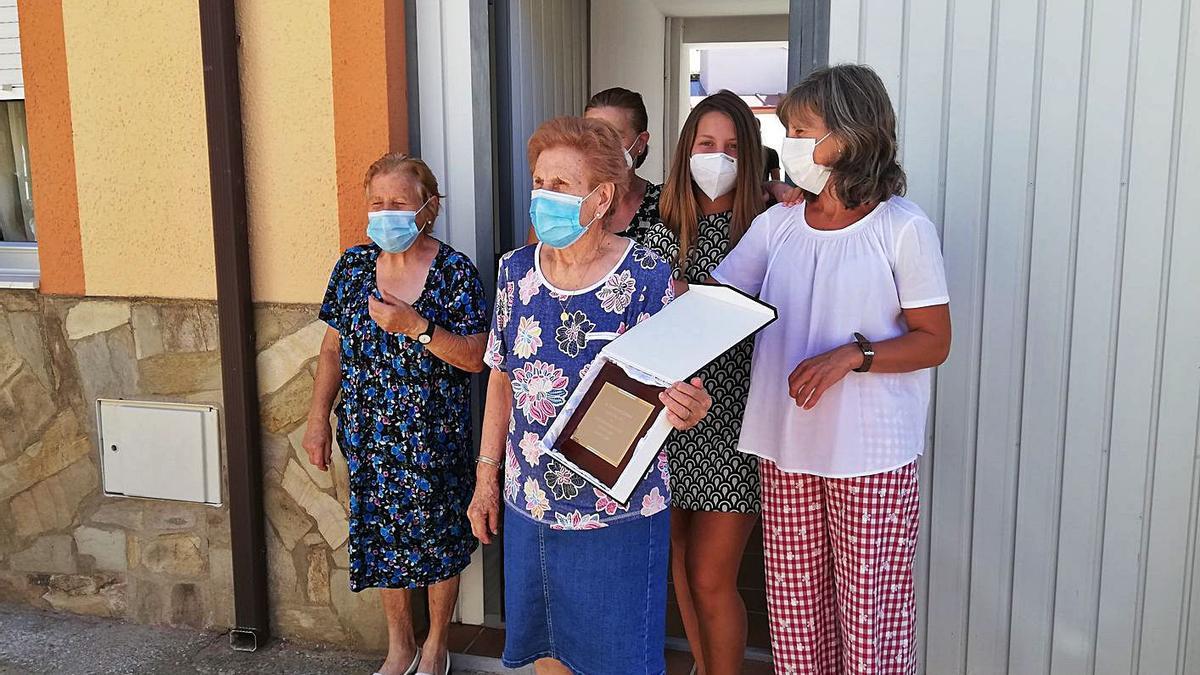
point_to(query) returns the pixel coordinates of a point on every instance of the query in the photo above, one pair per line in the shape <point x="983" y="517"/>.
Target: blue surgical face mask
<point x="555" y="217"/>
<point x="394" y="231"/>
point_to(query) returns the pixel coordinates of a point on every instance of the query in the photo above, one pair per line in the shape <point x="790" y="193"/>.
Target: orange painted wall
<point x="313" y="123"/>
<point x="370" y="103"/>
<point x="51" y="149"/>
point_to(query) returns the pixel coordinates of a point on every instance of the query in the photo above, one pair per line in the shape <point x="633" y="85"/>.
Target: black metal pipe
<point x="235" y="314"/>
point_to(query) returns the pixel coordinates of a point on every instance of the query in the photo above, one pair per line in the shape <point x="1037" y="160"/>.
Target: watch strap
<point x="426" y="335"/>
<point x="868" y="352"/>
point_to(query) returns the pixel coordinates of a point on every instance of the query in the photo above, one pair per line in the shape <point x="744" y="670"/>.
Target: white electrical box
<point x="160" y="450"/>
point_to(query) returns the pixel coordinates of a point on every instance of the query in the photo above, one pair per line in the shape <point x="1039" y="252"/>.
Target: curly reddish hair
<point x="596" y="140"/>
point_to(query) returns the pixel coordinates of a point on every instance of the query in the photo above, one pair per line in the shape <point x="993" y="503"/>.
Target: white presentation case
<point x="669" y="347"/>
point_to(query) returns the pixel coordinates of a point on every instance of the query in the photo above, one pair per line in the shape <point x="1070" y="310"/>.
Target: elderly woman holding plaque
<point x="597" y="565"/>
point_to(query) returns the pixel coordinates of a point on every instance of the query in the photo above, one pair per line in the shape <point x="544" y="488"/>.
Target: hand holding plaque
<point x="613" y="425"/>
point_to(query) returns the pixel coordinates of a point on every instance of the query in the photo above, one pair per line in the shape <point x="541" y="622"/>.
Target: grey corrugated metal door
<point x="541" y="72"/>
<point x="1058" y="146"/>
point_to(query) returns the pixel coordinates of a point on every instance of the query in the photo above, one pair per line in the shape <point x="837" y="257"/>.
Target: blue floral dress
<point x="404" y="424"/>
<point x="545" y="356"/>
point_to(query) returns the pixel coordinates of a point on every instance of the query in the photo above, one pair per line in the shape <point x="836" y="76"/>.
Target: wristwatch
<point x="426" y="335"/>
<point x="868" y="352"/>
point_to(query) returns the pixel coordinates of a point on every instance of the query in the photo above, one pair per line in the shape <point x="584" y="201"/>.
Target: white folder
<point x="669" y="347"/>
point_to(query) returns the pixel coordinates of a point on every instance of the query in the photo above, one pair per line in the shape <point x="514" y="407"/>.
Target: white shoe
<point x="412" y="667"/>
<point x="447" y="671"/>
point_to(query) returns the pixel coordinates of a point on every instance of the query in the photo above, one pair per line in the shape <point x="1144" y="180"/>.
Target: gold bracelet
<point x="488" y="460"/>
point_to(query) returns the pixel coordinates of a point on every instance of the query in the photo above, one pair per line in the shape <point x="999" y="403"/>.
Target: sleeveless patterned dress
<point x="707" y="471"/>
<point x="646" y="216"/>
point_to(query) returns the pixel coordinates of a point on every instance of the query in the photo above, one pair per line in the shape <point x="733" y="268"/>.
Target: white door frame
<point x="455" y="121"/>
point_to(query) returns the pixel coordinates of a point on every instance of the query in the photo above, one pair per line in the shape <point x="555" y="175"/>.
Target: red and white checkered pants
<point x="839" y="557"/>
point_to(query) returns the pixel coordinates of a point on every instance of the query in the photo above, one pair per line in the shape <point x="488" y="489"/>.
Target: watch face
<point x="424" y="339"/>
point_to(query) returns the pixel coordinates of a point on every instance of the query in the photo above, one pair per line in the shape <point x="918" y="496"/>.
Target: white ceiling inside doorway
<point x="720" y="7"/>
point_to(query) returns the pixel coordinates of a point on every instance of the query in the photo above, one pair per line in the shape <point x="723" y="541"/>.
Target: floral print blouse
<point x="546" y="339"/>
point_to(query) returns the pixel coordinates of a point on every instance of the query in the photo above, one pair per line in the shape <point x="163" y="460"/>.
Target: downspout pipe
<point x="235" y="314"/>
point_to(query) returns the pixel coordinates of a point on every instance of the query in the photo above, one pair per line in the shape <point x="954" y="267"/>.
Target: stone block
<point x="361" y="613"/>
<point x="61" y="445"/>
<point x="12" y="300"/>
<point x="97" y="595"/>
<point x="281" y="572"/>
<point x="25" y="407"/>
<point x="329" y="514"/>
<point x="213" y="397"/>
<point x="280" y="362"/>
<point x="95" y="316"/>
<point x="290" y="521"/>
<point x="288" y="406"/>
<point x="189" y="327"/>
<point x="341" y="477"/>
<point x="106" y="366"/>
<point x="322" y="479"/>
<point x="177" y="555"/>
<point x="120" y="512"/>
<point x="317" y="578"/>
<point x="107" y="548"/>
<point x="317" y="625"/>
<point x="52" y="504"/>
<point x="275" y="452"/>
<point x="173" y="373"/>
<point x="10" y="359"/>
<point x="220" y="586"/>
<point x="341" y="557"/>
<point x="25" y="329"/>
<point x="274" y="322"/>
<point x="149" y="601"/>
<point x="169" y="516"/>
<point x="51" y="554"/>
<point x="218" y="528"/>
<point x="187" y="606"/>
<point x="147" y="331"/>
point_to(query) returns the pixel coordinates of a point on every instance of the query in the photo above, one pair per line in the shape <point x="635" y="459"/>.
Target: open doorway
<point x="756" y="72"/>
<point x="548" y="56"/>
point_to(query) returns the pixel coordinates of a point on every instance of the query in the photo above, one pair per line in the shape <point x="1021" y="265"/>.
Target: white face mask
<point x="714" y="173"/>
<point x="796" y="155"/>
<point x="629" y="157"/>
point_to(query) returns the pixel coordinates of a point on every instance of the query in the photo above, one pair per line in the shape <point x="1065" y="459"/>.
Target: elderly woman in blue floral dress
<point x="407" y="323"/>
<point x="598" y="567"/>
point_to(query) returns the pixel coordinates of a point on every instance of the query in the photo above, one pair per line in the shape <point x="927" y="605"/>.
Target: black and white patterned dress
<point x="646" y="216"/>
<point x="707" y="471"/>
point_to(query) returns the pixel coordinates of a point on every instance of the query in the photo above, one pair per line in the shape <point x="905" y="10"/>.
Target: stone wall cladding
<point x="66" y="546"/>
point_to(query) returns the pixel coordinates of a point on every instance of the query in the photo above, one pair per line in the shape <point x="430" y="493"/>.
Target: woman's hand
<point x="484" y="511"/>
<point x="395" y="315"/>
<point x="814" y="376"/>
<point x="687" y="403"/>
<point x="318" y="442"/>
<point x="785" y="194"/>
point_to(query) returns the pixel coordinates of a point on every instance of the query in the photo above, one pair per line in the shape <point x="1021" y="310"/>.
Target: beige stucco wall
<point x="287" y="112"/>
<point x="141" y="157"/>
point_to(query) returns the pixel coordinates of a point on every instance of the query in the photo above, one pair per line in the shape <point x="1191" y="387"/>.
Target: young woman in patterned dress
<point x="712" y="194"/>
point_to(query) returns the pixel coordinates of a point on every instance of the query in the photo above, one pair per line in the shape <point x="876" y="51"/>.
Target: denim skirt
<point x="596" y="600"/>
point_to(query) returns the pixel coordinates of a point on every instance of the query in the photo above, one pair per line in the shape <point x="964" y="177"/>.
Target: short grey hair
<point x="855" y="106"/>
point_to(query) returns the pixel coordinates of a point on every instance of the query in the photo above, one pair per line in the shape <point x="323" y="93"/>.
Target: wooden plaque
<point x="615" y="413"/>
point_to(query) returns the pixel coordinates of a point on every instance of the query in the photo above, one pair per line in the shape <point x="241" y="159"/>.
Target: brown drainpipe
<point x="235" y="314"/>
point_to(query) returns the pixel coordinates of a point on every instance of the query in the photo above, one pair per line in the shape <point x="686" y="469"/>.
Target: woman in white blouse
<point x="840" y="385"/>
